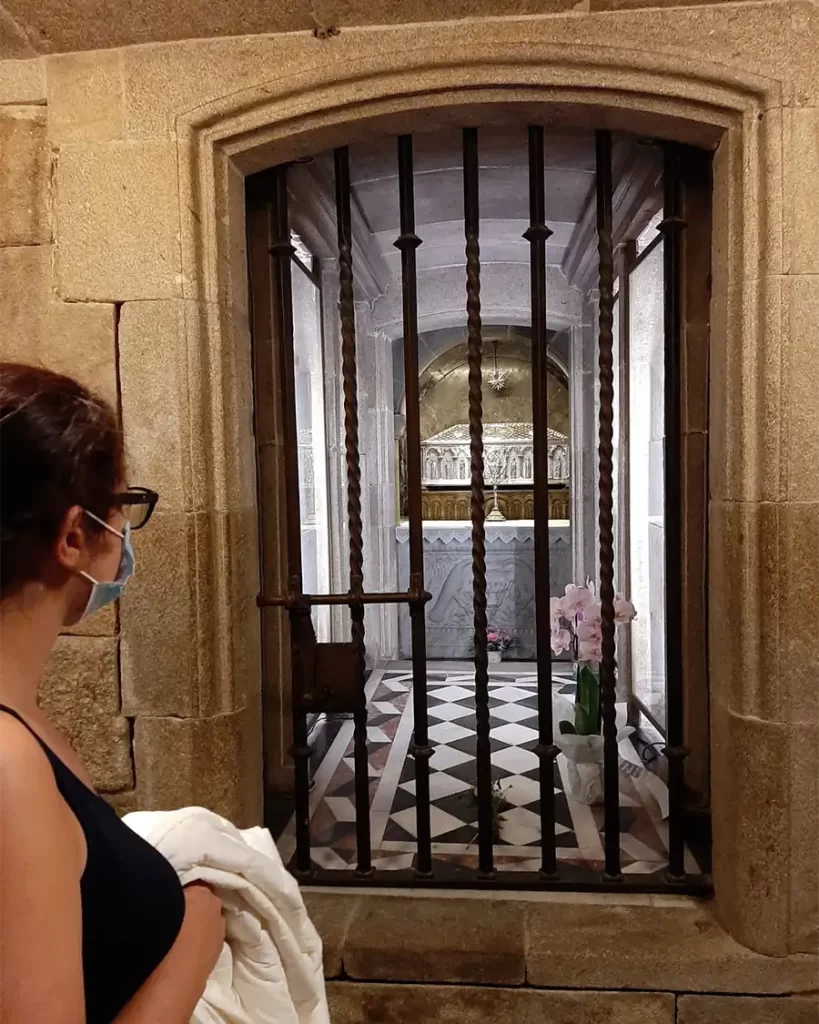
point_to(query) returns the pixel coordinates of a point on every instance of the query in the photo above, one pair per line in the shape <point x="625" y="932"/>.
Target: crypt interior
<point x="573" y="406"/>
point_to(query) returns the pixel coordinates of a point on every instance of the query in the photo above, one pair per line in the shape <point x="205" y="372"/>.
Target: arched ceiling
<point x="444" y="389"/>
<point x="504" y="191"/>
<point x="504" y="210"/>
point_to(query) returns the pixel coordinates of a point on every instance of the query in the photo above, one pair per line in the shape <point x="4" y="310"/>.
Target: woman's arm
<point x="171" y="993"/>
<point x="42" y="857"/>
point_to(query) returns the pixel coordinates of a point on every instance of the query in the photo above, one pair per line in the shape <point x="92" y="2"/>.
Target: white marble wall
<point x="646" y="481"/>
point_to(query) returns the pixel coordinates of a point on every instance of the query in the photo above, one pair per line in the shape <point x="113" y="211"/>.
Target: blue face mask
<point x="103" y="593"/>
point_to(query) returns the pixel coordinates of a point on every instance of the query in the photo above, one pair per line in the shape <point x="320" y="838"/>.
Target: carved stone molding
<point x="453" y="506"/>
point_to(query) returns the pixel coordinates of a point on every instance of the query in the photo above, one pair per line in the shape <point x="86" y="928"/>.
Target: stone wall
<point x="123" y="262"/>
<point x="127" y="697"/>
<point x="577" y="959"/>
<point x="82" y="688"/>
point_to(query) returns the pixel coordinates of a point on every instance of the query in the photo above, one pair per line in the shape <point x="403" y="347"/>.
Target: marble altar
<point x="510" y="582"/>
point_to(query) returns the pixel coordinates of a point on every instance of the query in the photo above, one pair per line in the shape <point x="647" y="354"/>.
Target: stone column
<point x="583" y="388"/>
<point x="377" y="476"/>
<point x="375" y="415"/>
<point x="764" y="532"/>
<point x="336" y="466"/>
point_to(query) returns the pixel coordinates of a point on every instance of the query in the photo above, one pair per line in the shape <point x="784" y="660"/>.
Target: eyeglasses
<point x="137" y="504"/>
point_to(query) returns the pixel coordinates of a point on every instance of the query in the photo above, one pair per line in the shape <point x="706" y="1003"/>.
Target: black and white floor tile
<point x="454" y="810"/>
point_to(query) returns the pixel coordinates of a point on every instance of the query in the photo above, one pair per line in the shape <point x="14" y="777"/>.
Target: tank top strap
<point x="22" y="721"/>
<point x="56" y="763"/>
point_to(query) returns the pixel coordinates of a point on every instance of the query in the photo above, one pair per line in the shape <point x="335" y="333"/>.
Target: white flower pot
<point x="495" y="657"/>
<point x="584" y="754"/>
<point x="584" y="767"/>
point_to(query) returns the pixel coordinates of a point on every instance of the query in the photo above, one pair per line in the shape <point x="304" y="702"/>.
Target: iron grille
<point x="271" y="255"/>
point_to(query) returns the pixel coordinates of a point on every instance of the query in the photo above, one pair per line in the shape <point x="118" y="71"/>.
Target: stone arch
<point x="247" y="104"/>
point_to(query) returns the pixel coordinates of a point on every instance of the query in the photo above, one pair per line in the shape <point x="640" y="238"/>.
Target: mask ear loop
<point x="105" y="526"/>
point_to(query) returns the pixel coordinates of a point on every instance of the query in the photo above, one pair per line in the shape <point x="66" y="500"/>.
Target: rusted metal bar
<point x="674" y="750"/>
<point x="537" y="235"/>
<point x="346" y="301"/>
<point x="626" y="256"/>
<point x="611" y="788"/>
<point x="407" y="242"/>
<point x="477" y="500"/>
<point x="572" y="879"/>
<point x="282" y="313"/>
<point x="316" y="600"/>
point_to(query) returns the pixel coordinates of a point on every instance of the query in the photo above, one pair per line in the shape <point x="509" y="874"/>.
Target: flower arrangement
<point x="499" y="640"/>
<point x="577" y="627"/>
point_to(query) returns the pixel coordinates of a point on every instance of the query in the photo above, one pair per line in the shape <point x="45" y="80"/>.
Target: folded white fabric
<point x="270" y="970"/>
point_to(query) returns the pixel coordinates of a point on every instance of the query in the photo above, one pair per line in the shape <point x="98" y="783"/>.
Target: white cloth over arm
<point x="271" y="969"/>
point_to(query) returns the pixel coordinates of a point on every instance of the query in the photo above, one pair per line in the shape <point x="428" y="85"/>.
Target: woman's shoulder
<point x="29" y="791"/>
<point x="25" y="768"/>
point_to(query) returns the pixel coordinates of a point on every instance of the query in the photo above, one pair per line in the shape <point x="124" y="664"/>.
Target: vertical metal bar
<point x="671" y="227"/>
<point x="611" y="788"/>
<point x="626" y="256"/>
<point x="537" y="234"/>
<point x="477" y="500"/>
<point x="281" y="252"/>
<point x="407" y="242"/>
<point x="349" y="375"/>
<point x="265" y="423"/>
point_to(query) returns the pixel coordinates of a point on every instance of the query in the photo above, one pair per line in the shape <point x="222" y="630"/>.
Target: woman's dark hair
<point x="60" y="446"/>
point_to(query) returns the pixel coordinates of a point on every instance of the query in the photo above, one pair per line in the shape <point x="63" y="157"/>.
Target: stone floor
<point x="513" y="723"/>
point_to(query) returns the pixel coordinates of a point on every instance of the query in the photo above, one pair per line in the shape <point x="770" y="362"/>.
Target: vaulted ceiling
<point x="504" y="195"/>
<point x="504" y="201"/>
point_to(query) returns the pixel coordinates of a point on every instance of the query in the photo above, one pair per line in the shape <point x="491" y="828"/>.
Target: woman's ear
<point x="72" y="545"/>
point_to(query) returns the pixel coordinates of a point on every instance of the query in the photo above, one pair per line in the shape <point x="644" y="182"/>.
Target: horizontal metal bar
<point x="645" y="710"/>
<point x="645" y="253"/>
<point x="311" y="275"/>
<point x="349" y="599"/>
<point x="514" y="881"/>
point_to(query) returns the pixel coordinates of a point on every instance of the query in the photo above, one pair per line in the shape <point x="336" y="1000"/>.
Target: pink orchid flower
<point x="589" y="631"/>
<point x="590" y="650"/>
<point x="623" y="610"/>
<point x="555" y="611"/>
<point x="561" y="640"/>
<point x="576" y="600"/>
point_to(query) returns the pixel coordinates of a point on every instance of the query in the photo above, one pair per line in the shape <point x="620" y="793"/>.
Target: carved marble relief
<point x="508" y="456"/>
<point x="509" y="579"/>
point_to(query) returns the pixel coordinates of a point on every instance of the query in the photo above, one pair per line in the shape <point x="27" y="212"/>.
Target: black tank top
<point x="132" y="902"/>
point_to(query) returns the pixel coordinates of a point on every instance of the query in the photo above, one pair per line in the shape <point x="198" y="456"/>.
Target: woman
<point x="94" y="926"/>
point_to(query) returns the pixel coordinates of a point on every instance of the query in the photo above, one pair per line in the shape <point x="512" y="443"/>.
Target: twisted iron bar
<point x="537" y="235"/>
<point x="349" y="374"/>
<point x="407" y="243"/>
<point x="477" y="501"/>
<point x="606" y="505"/>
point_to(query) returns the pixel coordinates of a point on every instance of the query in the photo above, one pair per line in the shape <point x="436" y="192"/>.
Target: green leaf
<point x="587" y="703"/>
<point x="566" y="728"/>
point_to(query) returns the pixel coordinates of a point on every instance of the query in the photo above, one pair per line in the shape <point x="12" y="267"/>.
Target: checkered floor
<point x="515" y="768"/>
